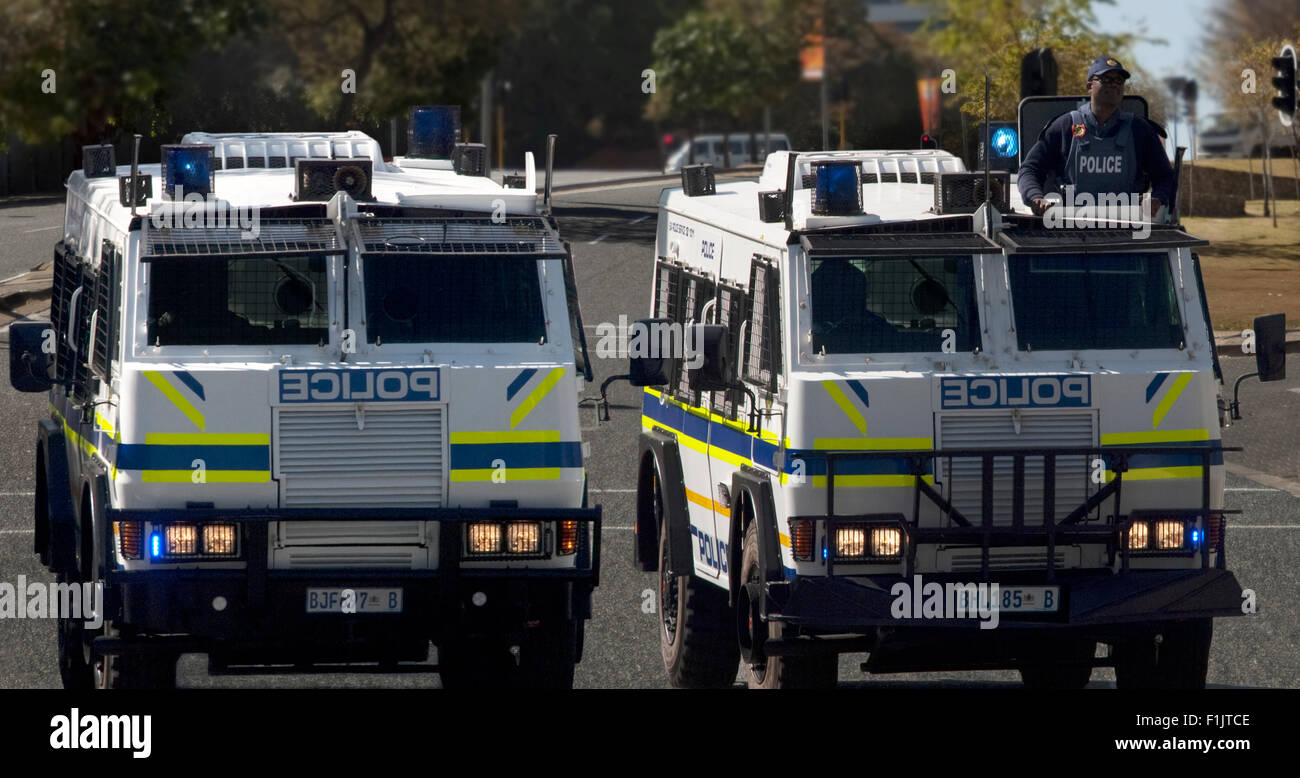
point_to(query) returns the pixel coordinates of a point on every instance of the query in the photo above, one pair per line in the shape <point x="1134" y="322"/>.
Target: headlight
<point x="191" y="541"/>
<point x="523" y="537"/>
<point x="485" y="537"/>
<point x="850" y="542"/>
<point x="1139" y="536"/>
<point x="868" y="542"/>
<point x="886" y="542"/>
<point x="1169" y="535"/>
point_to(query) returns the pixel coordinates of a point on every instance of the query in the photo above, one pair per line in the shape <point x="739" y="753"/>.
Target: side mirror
<point x="1270" y="346"/>
<point x="31" y="354"/>
<point x="650" y="352"/>
<point x="708" y="357"/>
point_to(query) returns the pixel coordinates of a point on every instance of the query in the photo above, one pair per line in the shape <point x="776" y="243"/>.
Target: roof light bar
<point x="187" y="169"/>
<point x="434" y="131"/>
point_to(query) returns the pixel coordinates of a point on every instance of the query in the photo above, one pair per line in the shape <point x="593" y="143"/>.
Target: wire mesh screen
<point x="698" y="290"/>
<point x="66" y="280"/>
<point x="667" y="297"/>
<point x="239" y="301"/>
<point x="731" y="311"/>
<point x="453" y="299"/>
<point x="893" y="304"/>
<point x="763" y="350"/>
<point x="1104" y="301"/>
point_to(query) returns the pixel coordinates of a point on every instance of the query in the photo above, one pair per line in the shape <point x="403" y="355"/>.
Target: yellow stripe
<point x="1169" y="399"/>
<point x="506" y="436"/>
<point x="697" y="445"/>
<point x="106" y="427"/>
<point x="819" y="481"/>
<point x="1164" y="436"/>
<point x="535" y="397"/>
<point x="511" y="474"/>
<point x="207" y="439"/>
<point x="86" y="446"/>
<point x="170" y="392"/>
<point x="1157" y="473"/>
<point x="874" y="444"/>
<point x="701" y="500"/>
<point x="837" y="395"/>
<point x="211" y="476"/>
<point x="765" y="434"/>
<point x="785" y="540"/>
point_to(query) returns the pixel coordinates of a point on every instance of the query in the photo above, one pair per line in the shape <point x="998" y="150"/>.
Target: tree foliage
<point x="974" y="37"/>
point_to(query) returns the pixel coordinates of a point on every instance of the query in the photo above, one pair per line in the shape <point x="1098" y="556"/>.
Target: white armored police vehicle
<point x="927" y="427"/>
<point x="310" y="407"/>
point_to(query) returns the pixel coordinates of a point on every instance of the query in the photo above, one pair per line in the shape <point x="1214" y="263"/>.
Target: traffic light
<point x="1284" y="79"/>
<point x="1004" y="147"/>
<point x="928" y="142"/>
<point x="1038" y="73"/>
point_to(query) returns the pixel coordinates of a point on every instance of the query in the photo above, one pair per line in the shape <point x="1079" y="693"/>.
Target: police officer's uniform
<point x="1118" y="157"/>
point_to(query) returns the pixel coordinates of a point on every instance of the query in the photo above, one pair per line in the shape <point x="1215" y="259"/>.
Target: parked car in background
<point x="710" y="149"/>
<point x="1225" y="136"/>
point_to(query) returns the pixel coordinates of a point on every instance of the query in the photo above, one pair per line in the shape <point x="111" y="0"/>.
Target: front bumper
<point x="259" y="614"/>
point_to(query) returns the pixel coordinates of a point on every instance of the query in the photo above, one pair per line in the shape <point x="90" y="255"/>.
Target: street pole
<point x="485" y="112"/>
<point x="826" y="128"/>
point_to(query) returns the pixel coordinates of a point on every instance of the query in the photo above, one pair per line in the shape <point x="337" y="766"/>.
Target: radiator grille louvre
<point x="383" y="457"/>
<point x="996" y="429"/>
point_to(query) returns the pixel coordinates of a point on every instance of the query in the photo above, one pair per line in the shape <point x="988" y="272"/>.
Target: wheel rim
<point x="668" y="585"/>
<point x="757" y="669"/>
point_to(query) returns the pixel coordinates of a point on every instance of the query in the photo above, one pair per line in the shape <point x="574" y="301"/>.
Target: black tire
<point x="1062" y="676"/>
<point x="696" y="636"/>
<point x="1180" y="661"/>
<point x="549" y="655"/>
<point x="139" y="669"/>
<point x="783" y="672"/>
<point x="76" y="668"/>
<point x="476" y="663"/>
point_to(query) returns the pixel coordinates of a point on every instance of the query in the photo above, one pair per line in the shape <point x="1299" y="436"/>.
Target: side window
<point x="680" y="297"/>
<point x="731" y="310"/>
<point x="71" y="306"/>
<point x="762" y="357"/>
<point x="582" y="362"/>
<point x="697" y="291"/>
<point x="106" y="306"/>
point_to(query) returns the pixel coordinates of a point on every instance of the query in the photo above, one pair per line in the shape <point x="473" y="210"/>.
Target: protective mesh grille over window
<point x="731" y="311"/>
<point x="763" y="348"/>
<point x="239" y="301"/>
<point x="106" y="308"/>
<point x="1081" y="301"/>
<point x="698" y="292"/>
<point x="453" y="299"/>
<point x="893" y="304"/>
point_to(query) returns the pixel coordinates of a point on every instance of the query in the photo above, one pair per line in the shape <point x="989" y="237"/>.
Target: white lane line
<point x="1247" y="489"/>
<point x="647" y="216"/>
<point x="611" y="491"/>
<point x="1263" y="479"/>
<point x="627" y="529"/>
<point x="1264" y="526"/>
<point x="597" y="240"/>
<point x="13" y="278"/>
<point x="15" y="532"/>
<point x="17" y="494"/>
<point x="42" y="229"/>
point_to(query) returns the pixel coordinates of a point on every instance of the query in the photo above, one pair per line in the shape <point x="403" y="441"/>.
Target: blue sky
<point x="1180" y="23"/>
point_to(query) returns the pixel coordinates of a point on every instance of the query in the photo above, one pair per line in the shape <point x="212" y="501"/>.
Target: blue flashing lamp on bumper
<point x="838" y="189"/>
<point x="434" y="131"/>
<point x="186" y="169"/>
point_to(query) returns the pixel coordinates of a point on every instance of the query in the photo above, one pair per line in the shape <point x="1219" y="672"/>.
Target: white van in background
<point x="709" y="149"/>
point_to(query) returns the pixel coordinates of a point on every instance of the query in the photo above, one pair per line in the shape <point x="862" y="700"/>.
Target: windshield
<point x="453" y="299"/>
<point x="1097" y="301"/>
<point x="893" y="304"/>
<point x="238" y="301"/>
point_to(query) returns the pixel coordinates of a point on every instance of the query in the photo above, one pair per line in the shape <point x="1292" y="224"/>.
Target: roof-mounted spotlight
<point x="698" y="180"/>
<point x="469" y="159"/>
<point x="771" y="206"/>
<point x="187" y="168"/>
<point x="838" y="189"/>
<point x="98" y="161"/>
<point x="434" y="131"/>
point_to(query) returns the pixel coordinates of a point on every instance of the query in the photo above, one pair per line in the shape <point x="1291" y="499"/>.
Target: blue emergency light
<point x="433" y="132"/>
<point x="155" y="545"/>
<point x="188" y="167"/>
<point x="1005" y="142"/>
<point x="838" y="189"/>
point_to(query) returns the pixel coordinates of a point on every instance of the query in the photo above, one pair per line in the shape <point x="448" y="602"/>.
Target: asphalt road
<point x="612" y="231"/>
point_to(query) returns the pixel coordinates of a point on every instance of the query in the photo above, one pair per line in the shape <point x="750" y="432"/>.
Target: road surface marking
<point x="597" y="240"/>
<point x="15" y="532"/>
<point x="1264" y="526"/>
<point x="17" y="494"/>
<point x="42" y="229"/>
<point x="1248" y="489"/>
<point x="611" y="491"/>
<point x="1264" y="479"/>
<point x="647" y="216"/>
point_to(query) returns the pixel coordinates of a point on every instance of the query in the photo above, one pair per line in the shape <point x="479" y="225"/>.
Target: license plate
<point x="1022" y="599"/>
<point x="344" y="600"/>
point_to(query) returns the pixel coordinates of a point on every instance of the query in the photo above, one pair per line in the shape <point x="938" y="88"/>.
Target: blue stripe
<point x="861" y="391"/>
<point x="141" y="456"/>
<point x="519" y="382"/>
<point x="814" y="463"/>
<point x="1154" y="386"/>
<point x="1171" y="459"/>
<point x="191" y="382"/>
<point x="477" y="456"/>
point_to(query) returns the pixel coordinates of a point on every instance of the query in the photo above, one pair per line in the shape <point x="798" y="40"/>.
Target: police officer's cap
<point x="1105" y="64"/>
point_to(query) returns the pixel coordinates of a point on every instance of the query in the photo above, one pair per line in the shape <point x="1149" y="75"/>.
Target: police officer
<point x="1099" y="148"/>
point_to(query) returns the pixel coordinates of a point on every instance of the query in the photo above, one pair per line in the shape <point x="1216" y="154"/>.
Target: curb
<point x="1229" y="344"/>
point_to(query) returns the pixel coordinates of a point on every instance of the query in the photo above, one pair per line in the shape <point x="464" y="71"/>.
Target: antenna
<point x="135" y="172"/>
<point x="550" y="168"/>
<point x="987" y="149"/>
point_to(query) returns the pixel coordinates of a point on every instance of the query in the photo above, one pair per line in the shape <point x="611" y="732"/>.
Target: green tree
<point x="725" y="64"/>
<point x="974" y="37"/>
<point x="1242" y="82"/>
